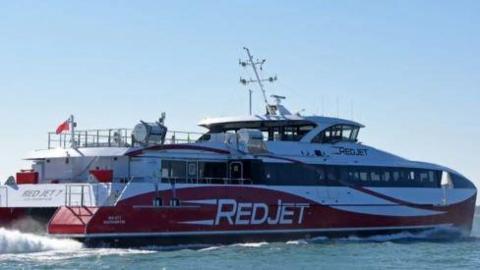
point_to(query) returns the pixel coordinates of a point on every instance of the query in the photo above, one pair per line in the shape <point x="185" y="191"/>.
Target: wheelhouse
<point x="288" y="128"/>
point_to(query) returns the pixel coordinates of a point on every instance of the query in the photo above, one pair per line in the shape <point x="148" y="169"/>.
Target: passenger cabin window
<point x="211" y="171"/>
<point x="173" y="170"/>
<point x="216" y="171"/>
<point x="292" y="131"/>
<point x="296" y="174"/>
<point x="328" y="175"/>
<point x="390" y="177"/>
<point x="337" y="133"/>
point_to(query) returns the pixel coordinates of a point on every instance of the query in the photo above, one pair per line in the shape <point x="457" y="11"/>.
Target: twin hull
<point x="198" y="214"/>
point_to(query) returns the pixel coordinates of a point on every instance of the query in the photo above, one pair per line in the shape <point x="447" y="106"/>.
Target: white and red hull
<point x="225" y="214"/>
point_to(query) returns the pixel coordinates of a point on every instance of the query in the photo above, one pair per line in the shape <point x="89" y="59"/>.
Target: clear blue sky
<point x="411" y="69"/>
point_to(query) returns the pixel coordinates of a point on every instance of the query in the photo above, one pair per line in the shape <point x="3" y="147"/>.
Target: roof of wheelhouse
<point x="290" y="119"/>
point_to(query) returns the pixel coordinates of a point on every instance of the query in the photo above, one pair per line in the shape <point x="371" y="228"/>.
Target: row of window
<point x="257" y="172"/>
<point x="279" y="131"/>
<point x="288" y="133"/>
<point x="422" y="177"/>
<point x="178" y="169"/>
<point x="272" y="130"/>
<point x="299" y="174"/>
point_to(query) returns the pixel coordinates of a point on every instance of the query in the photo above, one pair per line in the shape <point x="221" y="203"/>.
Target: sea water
<point x="430" y="250"/>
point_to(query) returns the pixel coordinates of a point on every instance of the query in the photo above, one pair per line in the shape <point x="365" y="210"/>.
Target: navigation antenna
<point x="250" y="62"/>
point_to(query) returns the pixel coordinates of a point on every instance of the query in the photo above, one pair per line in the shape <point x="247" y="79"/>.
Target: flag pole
<point x="72" y="133"/>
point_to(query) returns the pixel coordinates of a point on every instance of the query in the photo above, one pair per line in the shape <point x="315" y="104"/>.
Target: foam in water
<point x="438" y="234"/>
<point x="250" y="245"/>
<point x="211" y="248"/>
<point x="296" y="242"/>
<point x="12" y="241"/>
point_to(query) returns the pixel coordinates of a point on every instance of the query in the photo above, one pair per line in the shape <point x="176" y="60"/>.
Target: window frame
<point x="334" y="134"/>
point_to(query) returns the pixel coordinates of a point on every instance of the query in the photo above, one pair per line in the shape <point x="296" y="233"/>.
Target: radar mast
<point x="271" y="109"/>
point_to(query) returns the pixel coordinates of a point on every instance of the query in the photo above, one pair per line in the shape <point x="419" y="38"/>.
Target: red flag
<point x="63" y="127"/>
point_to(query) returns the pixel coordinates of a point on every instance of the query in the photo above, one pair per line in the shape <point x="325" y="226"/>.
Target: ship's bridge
<point x="310" y="129"/>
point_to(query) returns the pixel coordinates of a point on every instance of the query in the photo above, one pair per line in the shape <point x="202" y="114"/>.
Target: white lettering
<point x="302" y="208"/>
<point x="277" y="216"/>
<point x="286" y="216"/>
<point x="221" y="213"/>
<point x="243" y="212"/>
<point x="247" y="213"/>
<point x="255" y="220"/>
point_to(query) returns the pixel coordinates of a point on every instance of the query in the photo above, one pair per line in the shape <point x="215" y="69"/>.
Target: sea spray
<point x="12" y="241"/>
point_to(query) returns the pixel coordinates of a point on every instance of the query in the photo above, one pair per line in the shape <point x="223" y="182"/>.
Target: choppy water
<point x="399" y="251"/>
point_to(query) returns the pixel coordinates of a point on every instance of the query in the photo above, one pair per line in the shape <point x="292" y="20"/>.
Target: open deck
<point x="113" y="137"/>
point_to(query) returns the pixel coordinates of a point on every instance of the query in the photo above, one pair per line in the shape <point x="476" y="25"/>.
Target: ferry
<point x="266" y="177"/>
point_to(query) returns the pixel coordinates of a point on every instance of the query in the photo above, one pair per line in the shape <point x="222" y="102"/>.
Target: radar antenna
<point x="250" y="62"/>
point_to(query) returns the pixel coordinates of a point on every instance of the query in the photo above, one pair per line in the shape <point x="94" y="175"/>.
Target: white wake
<point x="12" y="241"/>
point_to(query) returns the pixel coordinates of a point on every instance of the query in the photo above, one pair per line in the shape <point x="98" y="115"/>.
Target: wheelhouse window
<point x="204" y="137"/>
<point x="272" y="130"/>
<point x="337" y="133"/>
<point x="293" y="133"/>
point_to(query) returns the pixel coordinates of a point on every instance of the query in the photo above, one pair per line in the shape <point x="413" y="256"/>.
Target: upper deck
<point x="307" y="129"/>
<point x="112" y="137"/>
<point x="123" y="137"/>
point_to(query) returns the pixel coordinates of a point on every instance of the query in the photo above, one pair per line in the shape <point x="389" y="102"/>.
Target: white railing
<point x="114" y="137"/>
<point x="79" y="195"/>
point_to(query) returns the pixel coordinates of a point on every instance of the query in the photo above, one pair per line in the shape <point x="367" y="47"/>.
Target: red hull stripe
<point x="178" y="147"/>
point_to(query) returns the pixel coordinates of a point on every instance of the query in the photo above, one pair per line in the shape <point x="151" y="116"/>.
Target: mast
<point x="259" y="80"/>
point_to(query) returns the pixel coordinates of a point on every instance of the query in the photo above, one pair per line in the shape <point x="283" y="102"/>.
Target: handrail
<point x="113" y="137"/>
<point x="206" y="180"/>
<point x="69" y="193"/>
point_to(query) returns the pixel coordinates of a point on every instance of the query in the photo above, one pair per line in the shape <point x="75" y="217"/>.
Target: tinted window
<point x="214" y="170"/>
<point x="297" y="174"/>
<point x="174" y="170"/>
<point x="374" y="175"/>
<point x="337" y="133"/>
<point x="394" y="177"/>
<point x="272" y="130"/>
<point x="290" y="133"/>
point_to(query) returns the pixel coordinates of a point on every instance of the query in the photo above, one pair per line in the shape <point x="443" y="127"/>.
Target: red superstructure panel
<point x="71" y="220"/>
<point x="27" y="177"/>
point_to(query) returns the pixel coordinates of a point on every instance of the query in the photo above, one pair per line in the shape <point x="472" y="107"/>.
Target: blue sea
<point x="431" y="250"/>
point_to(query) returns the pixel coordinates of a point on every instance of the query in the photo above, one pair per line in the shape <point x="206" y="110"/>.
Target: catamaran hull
<point x="219" y="215"/>
<point x="223" y="238"/>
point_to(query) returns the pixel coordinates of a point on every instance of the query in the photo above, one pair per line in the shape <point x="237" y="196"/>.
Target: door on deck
<point x="328" y="188"/>
<point x="236" y="172"/>
<point x="192" y="172"/>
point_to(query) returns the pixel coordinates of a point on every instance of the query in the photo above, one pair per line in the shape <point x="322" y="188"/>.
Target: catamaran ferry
<point x="269" y="177"/>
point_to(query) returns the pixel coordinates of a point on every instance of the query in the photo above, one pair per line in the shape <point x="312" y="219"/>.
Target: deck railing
<point x="114" y="137"/>
<point x="207" y="180"/>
